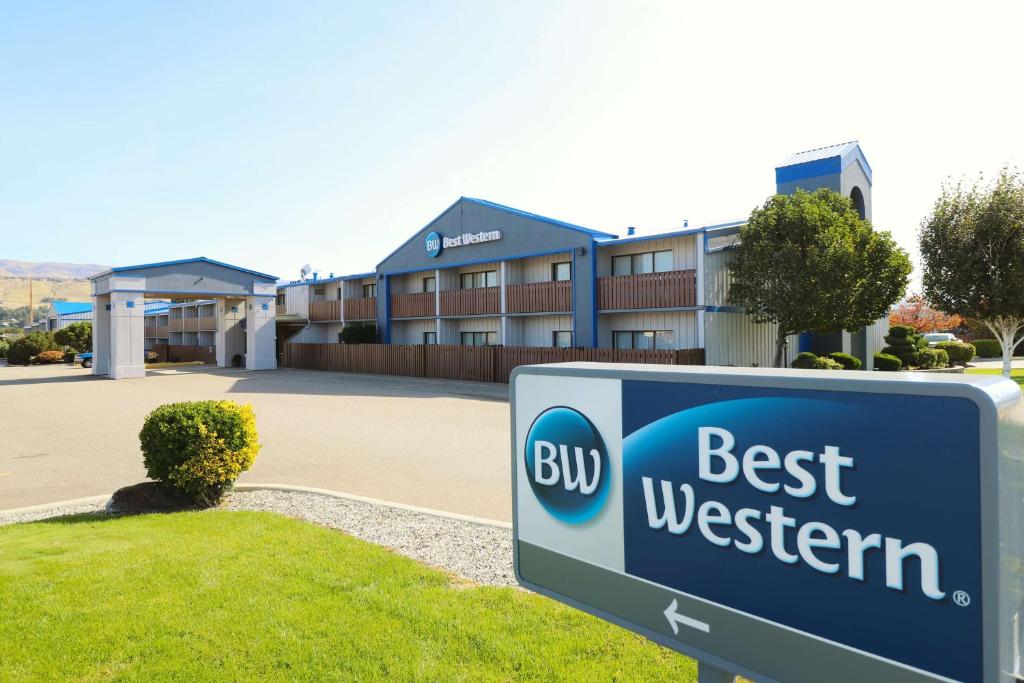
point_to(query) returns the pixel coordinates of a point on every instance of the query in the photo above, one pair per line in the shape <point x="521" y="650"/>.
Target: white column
<point x="101" y="335"/>
<point x="260" y="333"/>
<point x="701" y="319"/>
<point x="127" y="335"/>
<point x="219" y="337"/>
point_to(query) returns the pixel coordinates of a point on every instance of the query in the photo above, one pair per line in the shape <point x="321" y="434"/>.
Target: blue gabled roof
<point x="822" y="161"/>
<point x="508" y="209"/>
<point x="538" y="217"/>
<point x="198" y="259"/>
<point x="71" y="307"/>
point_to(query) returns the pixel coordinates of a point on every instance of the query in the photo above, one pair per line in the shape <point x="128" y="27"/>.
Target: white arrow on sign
<point x="675" y="618"/>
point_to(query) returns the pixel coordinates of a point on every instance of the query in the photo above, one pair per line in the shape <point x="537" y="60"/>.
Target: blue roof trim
<point x="198" y="259"/>
<point x="507" y="209"/>
<point x="328" y="280"/>
<point x="822" y="161"/>
<point x="71" y="307"/>
<point x="668" y="235"/>
<point x="538" y="217"/>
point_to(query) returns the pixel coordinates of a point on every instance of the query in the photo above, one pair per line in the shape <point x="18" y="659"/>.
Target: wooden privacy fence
<point x="473" y="363"/>
<point x="182" y="354"/>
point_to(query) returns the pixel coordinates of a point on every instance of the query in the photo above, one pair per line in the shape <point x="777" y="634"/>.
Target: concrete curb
<point x="91" y="500"/>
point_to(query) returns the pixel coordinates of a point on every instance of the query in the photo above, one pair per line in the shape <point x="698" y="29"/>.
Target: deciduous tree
<point x="916" y="313"/>
<point x="78" y="336"/>
<point x="808" y="263"/>
<point x="972" y="247"/>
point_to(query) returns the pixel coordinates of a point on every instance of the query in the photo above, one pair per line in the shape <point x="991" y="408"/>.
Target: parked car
<point x="934" y="338"/>
<point x="84" y="359"/>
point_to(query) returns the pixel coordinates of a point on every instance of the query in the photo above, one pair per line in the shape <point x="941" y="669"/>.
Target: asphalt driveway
<point x="65" y="434"/>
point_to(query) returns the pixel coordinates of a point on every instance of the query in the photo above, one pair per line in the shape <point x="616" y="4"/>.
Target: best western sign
<point x="782" y="525"/>
<point x="435" y="241"/>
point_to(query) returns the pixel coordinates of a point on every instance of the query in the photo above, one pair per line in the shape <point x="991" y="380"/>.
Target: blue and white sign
<point x="436" y="242"/>
<point x="787" y="526"/>
<point x="433" y="244"/>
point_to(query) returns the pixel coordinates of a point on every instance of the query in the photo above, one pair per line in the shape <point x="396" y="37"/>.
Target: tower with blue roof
<point x="842" y="168"/>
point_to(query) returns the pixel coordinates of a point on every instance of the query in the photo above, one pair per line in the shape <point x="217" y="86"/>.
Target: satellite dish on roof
<point x="304" y="271"/>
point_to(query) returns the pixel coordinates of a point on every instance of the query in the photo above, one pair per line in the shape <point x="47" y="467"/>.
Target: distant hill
<point x="58" y="281"/>
<point x="48" y="271"/>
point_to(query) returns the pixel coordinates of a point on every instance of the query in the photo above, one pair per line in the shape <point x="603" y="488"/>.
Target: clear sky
<point x="275" y="134"/>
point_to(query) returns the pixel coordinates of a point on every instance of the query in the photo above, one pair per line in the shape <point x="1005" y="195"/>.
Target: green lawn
<point x="1016" y="374"/>
<point x="243" y="596"/>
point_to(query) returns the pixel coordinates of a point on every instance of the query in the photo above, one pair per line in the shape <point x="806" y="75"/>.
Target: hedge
<point x="988" y="348"/>
<point x="809" y="361"/>
<point x="887" y="362"/>
<point x="960" y="353"/>
<point x="846" y="360"/>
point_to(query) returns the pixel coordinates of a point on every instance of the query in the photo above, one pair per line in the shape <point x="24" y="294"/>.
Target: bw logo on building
<point x="567" y="465"/>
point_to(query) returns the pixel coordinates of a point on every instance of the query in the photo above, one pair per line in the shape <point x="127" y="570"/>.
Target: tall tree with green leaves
<point x="78" y="336"/>
<point x="972" y="247"/>
<point x="808" y="262"/>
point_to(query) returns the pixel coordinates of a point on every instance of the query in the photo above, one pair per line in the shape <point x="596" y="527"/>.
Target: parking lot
<point x="436" y="444"/>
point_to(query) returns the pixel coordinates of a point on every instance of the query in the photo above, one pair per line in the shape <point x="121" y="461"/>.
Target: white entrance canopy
<point x="118" y="340"/>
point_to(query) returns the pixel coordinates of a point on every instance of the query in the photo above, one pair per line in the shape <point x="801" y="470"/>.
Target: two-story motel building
<point x="486" y="274"/>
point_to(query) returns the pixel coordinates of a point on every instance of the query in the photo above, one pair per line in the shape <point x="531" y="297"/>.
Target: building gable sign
<point x="436" y="242"/>
<point x="773" y="524"/>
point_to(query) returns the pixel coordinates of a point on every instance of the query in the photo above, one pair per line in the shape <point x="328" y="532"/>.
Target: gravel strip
<point x="477" y="552"/>
<point x="474" y="551"/>
<point x="49" y="513"/>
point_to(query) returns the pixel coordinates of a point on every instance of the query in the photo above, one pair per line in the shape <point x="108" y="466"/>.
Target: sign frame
<point x="818" y="656"/>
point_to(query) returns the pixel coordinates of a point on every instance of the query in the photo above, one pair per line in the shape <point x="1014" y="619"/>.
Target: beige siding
<point x="684" y="252"/>
<point x="735" y="339"/>
<point x="410" y="283"/>
<point x="682" y="323"/>
<point x="410" y="331"/>
<point x="535" y="330"/>
<point x="536" y="269"/>
<point x="353" y="289"/>
<point x="296" y="300"/>
<point x="875" y="340"/>
<point x="716" y="278"/>
<point x="452" y="329"/>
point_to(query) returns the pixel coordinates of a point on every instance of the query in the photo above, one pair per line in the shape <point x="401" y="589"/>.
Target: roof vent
<point x="630" y="231"/>
<point x="316" y="276"/>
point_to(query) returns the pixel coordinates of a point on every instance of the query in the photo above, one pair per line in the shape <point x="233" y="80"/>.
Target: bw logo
<point x="567" y="464"/>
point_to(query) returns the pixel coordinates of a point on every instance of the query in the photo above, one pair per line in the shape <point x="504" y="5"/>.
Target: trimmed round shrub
<point x="887" y="362"/>
<point x="901" y="331"/>
<point x="960" y="353"/>
<point x="846" y="360"/>
<point x="24" y="348"/>
<point x="199" y="448"/>
<point x="988" y="348"/>
<point x="152" y="357"/>
<point x="932" y="358"/>
<point x="4" y="345"/>
<point x="47" y="357"/>
<point x="805" y="361"/>
<point x="826" y="363"/>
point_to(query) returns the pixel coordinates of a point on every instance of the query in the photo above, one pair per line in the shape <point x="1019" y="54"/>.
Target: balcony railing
<point x="539" y="297"/>
<point x="416" y="305"/>
<point x="478" y="301"/>
<point x="280" y="309"/>
<point x="176" y="325"/>
<point x="673" y="289"/>
<point x="361" y="309"/>
<point x="325" y="310"/>
<point x="207" y="323"/>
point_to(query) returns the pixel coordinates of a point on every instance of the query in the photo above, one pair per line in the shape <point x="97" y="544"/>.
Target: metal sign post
<point x="780" y="525"/>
